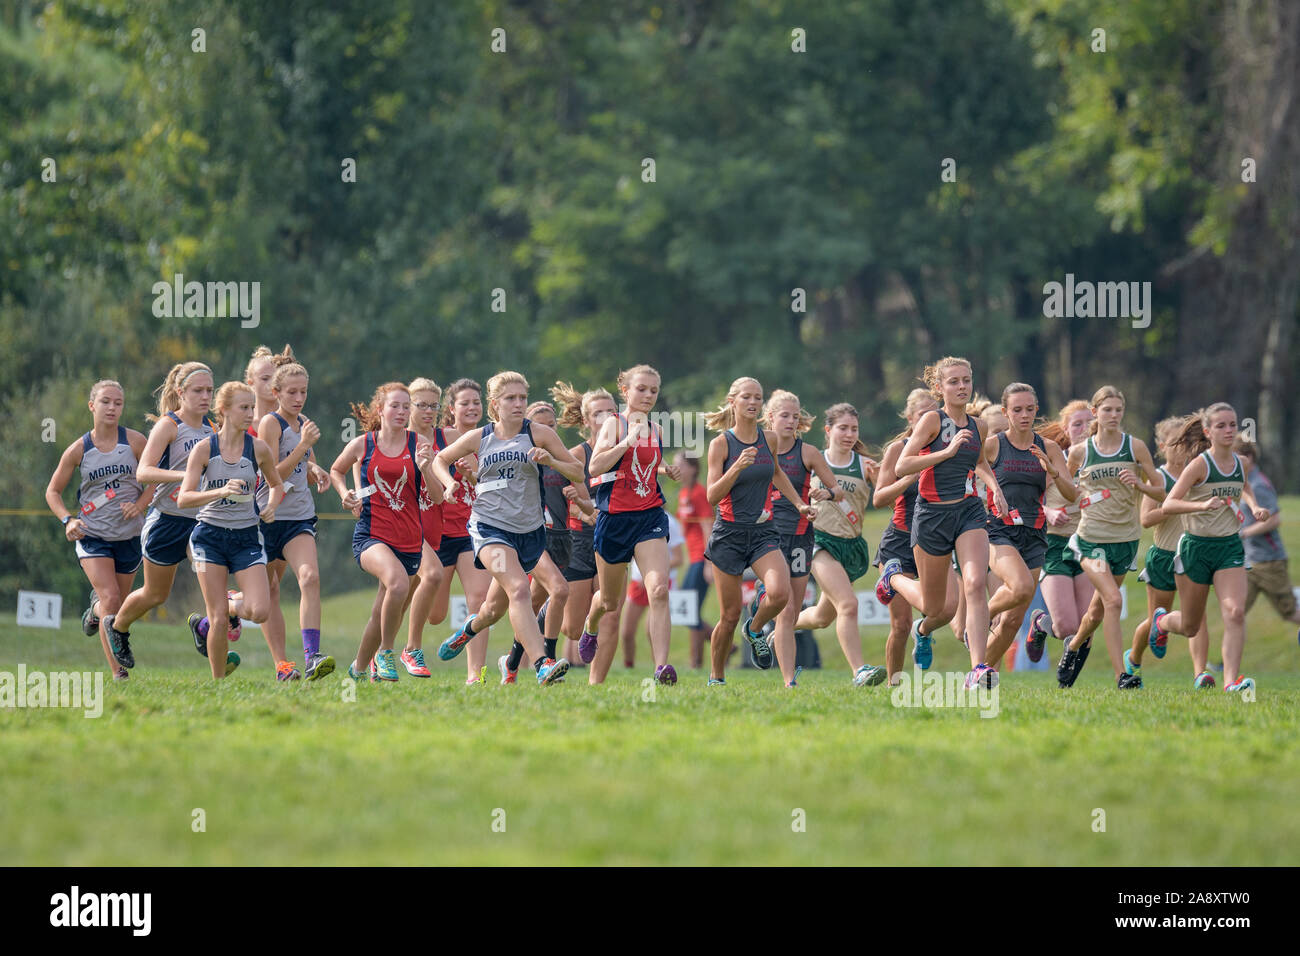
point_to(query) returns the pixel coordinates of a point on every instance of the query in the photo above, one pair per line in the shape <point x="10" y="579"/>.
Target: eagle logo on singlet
<point x="392" y="493"/>
<point x="642" y="475"/>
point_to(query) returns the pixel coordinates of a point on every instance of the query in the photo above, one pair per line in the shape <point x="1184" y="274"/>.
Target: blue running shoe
<point x="1203" y="681"/>
<point x="922" y="653"/>
<point x="386" y="665"/>
<point x="752" y="611"/>
<point x="1157" y="639"/>
<point x="453" y="645"/>
<point x="1240" y="684"/>
<point x="552" y="671"/>
<point x="1133" y="670"/>
<point x="759" y="647"/>
<point x="717" y="682"/>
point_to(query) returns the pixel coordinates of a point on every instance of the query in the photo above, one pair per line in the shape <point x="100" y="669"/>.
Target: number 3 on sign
<point x="39" y="609"/>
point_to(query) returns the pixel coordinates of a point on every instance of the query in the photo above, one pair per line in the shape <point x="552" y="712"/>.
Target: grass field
<point x="416" y="772"/>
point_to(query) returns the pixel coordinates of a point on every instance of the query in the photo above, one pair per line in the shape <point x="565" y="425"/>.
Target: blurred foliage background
<point x="522" y="169"/>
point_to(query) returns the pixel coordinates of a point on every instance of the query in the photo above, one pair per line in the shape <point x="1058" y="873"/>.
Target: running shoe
<point x="287" y="670"/>
<point x="587" y="645"/>
<point x="119" y="642"/>
<point x="1130" y="668"/>
<point x="1038" y="631"/>
<point x="922" y="653"/>
<point x="453" y="645"/>
<point x="551" y="671"/>
<point x="318" y="666"/>
<point x="982" y="676"/>
<point x="716" y="682"/>
<point x="1067" y="670"/>
<point x="750" y="613"/>
<point x="884" y="592"/>
<point x="374" y="672"/>
<point x="759" y="647"/>
<point x="503" y="665"/>
<point x="414" y="662"/>
<point x="1241" y="683"/>
<point x="759" y="591"/>
<point x="1203" y="680"/>
<point x="1158" y="639"/>
<point x="1130" y="682"/>
<point x="232" y="661"/>
<point x="665" y="674"/>
<point x="200" y="642"/>
<point x="386" y="665"/>
<point x="121" y="674"/>
<point x="90" y="623"/>
<point x="359" y="677"/>
<point x="869" y="676"/>
<point x="1082" y="658"/>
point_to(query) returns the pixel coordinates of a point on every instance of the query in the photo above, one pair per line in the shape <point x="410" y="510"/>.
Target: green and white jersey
<point x="843" y="518"/>
<point x="1221" y="522"/>
<point x="1171" y="529"/>
<point x="1116" y="518"/>
<point x="1052" y="498"/>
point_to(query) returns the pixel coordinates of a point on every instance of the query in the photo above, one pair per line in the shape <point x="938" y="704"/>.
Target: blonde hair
<point x="1099" y="396"/>
<point x="169" y="392"/>
<point x="540" y="406"/>
<point x="725" y="416"/>
<point x="106" y="383"/>
<point x="370" y="415"/>
<point x="424" y="385"/>
<point x="625" y="377"/>
<point x="781" y="396"/>
<point x="1165" y="428"/>
<point x="453" y="390"/>
<point x="978" y="405"/>
<point x="496" y="384"/>
<point x="933" y="374"/>
<point x="287" y="371"/>
<point x="845" y="410"/>
<point x="262" y="354"/>
<point x="914" y="399"/>
<point x="575" y="409"/>
<point x="225" y="397"/>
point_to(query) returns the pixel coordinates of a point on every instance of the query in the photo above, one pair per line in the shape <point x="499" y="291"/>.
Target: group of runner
<point x="987" y="504"/>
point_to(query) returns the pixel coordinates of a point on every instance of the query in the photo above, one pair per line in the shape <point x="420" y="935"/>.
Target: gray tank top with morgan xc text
<point x="174" y="459"/>
<point x="240" y="512"/>
<point x="108" y="482"/>
<point x="298" y="503"/>
<point x="508" y="494"/>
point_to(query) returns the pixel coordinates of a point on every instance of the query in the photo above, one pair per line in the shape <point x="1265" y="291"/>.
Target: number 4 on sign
<point x="39" y="609"/>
